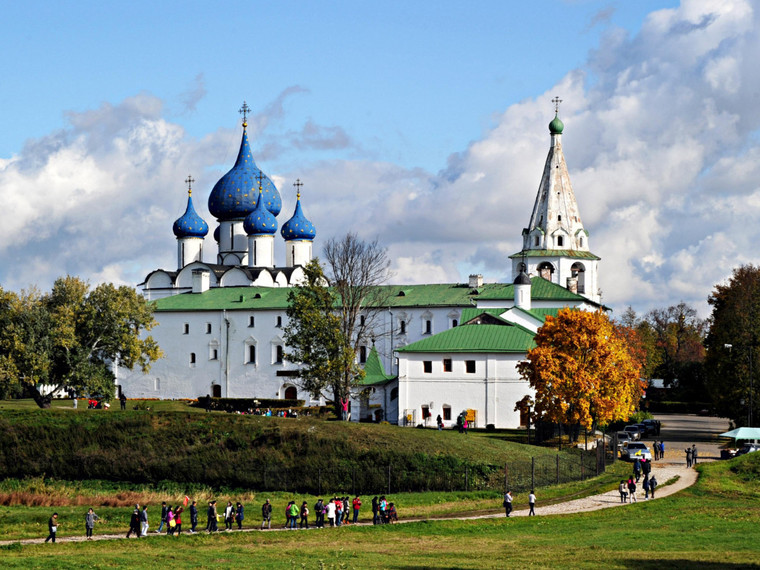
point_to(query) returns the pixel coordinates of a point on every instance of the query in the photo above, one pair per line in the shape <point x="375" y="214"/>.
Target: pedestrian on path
<point x="134" y="522"/>
<point x="508" y="502"/>
<point x="656" y="450"/>
<point x="89" y="523"/>
<point x="144" y="521"/>
<point x="164" y="510"/>
<point x="623" y="491"/>
<point x="646" y="487"/>
<point x="662" y="450"/>
<point x="532" y="503"/>
<point x="688" y="456"/>
<point x="652" y="485"/>
<point x="266" y="514"/>
<point x="632" y="490"/>
<point x="694" y="454"/>
<point x="52" y="527"/>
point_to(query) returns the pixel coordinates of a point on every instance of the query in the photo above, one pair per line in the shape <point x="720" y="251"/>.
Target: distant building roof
<point x="476" y="339"/>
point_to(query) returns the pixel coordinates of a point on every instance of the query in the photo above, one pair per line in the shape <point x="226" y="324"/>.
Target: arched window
<point x="546" y="270"/>
<point x="291" y="393"/>
<point x="579" y="272"/>
<point x="394" y="393"/>
<point x="216" y="391"/>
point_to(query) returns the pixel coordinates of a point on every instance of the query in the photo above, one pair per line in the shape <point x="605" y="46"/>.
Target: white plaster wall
<point x="493" y="390"/>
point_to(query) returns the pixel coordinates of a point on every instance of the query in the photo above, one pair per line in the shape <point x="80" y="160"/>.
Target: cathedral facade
<point x="438" y="349"/>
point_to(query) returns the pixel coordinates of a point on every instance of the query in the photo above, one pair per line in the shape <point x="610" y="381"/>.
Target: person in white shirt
<point x="532" y="503"/>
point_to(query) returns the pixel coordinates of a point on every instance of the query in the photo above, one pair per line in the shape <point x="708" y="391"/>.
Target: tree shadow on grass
<point x="661" y="564"/>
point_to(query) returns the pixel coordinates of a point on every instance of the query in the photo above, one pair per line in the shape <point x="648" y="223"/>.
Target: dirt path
<point x="663" y="471"/>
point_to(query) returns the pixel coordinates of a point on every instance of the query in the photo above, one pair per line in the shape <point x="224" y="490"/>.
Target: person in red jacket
<point x="357" y="504"/>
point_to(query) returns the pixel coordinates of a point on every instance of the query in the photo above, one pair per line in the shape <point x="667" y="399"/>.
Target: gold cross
<point x="244" y="110"/>
<point x="556" y="102"/>
<point x="189" y="183"/>
<point x="298" y="185"/>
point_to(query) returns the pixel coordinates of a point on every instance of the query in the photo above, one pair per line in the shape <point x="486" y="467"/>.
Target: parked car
<point x="635" y="449"/>
<point x="623" y="437"/>
<point x="653" y="427"/>
<point x="634" y="432"/>
<point x="748" y="448"/>
<point x="644" y="429"/>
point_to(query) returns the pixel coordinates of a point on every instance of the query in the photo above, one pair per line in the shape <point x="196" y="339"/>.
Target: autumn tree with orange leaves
<point x="583" y="370"/>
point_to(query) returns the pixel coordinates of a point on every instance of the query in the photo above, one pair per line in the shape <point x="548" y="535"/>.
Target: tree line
<point x="70" y="338"/>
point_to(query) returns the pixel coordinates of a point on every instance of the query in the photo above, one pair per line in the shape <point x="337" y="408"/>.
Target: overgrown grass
<point x="255" y="452"/>
<point x="711" y="525"/>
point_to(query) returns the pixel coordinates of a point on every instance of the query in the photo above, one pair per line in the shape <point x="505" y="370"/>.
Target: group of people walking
<point x="628" y="488"/>
<point x="691" y="455"/>
<point x="507" y="503"/>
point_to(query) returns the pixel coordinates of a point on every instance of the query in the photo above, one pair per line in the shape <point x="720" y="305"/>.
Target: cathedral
<point x="438" y="349"/>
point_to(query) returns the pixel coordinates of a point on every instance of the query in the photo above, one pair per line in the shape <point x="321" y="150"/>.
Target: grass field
<point x="710" y="525"/>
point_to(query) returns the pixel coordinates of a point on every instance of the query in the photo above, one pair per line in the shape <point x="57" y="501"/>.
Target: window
<point x="447" y="413"/>
<point x="581" y="242"/>
<point x="278" y="354"/>
<point x="447" y="365"/>
<point x="560" y="241"/>
<point x="214" y="355"/>
<point x="291" y="393"/>
<point x="362" y="354"/>
<point x="251" y="321"/>
<point x="192" y="359"/>
<point x="559" y="217"/>
<point x="454" y="323"/>
<point x="279" y="322"/>
<point x="425" y="412"/>
<point x="394" y="393"/>
<point x="535" y="241"/>
<point x="208" y="328"/>
<point x="251" y="354"/>
<point x="216" y="391"/>
<point x="186" y="328"/>
<point x="428" y="327"/>
<point x="402" y="327"/>
<point x="469" y="366"/>
<point x="427" y="366"/>
<point x="157" y="384"/>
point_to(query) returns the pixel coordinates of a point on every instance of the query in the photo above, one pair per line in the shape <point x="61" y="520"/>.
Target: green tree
<point x="679" y="349"/>
<point x="732" y="347"/>
<point x="315" y="340"/>
<point x="583" y="370"/>
<point x="70" y="338"/>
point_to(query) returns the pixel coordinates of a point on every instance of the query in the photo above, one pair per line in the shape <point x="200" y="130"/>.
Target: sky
<point x="420" y="123"/>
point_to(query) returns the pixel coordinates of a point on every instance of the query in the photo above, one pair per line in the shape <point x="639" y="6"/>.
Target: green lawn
<point x="711" y="525"/>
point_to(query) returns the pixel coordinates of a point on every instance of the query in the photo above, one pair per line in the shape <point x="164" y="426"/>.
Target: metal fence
<point x="517" y="475"/>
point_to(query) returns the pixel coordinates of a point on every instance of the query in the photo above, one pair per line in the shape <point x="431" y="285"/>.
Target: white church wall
<point x="492" y="390"/>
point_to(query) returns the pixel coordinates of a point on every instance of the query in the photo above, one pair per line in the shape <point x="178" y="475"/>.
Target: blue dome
<point x="298" y="227"/>
<point x="190" y="224"/>
<point x="235" y="195"/>
<point x="260" y="221"/>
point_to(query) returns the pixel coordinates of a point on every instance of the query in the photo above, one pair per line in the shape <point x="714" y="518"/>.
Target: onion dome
<point x="235" y="196"/>
<point x="556" y="126"/>
<point x="190" y="224"/>
<point x="298" y="227"/>
<point x="260" y="221"/>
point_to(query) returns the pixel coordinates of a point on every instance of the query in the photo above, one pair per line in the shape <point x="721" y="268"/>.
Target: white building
<point x="446" y="347"/>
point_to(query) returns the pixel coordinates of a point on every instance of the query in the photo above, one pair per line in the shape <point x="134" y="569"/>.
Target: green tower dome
<point x="556" y="126"/>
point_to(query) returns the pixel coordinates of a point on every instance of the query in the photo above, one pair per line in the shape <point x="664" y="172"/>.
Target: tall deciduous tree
<point x="355" y="271"/>
<point x="583" y="370"/>
<point x="70" y="338"/>
<point x="732" y="345"/>
<point x="315" y="339"/>
<point x="679" y="335"/>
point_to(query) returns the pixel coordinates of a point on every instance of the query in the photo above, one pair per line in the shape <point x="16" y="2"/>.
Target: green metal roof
<point x="574" y="253"/>
<point x="476" y="338"/>
<point x="397" y="296"/>
<point x="540" y="290"/>
<point x="374" y="371"/>
<point x="471" y="312"/>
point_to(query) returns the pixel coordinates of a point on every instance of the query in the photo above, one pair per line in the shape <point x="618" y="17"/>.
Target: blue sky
<point x="420" y="123"/>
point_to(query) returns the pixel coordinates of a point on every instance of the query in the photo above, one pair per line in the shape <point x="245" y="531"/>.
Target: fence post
<point x="389" y="479"/>
<point x="582" y="472"/>
<point x="558" y="469"/>
<point x="532" y="472"/>
<point x="466" y="475"/>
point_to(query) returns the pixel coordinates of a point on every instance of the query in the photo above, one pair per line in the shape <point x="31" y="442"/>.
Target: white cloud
<point x="661" y="141"/>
